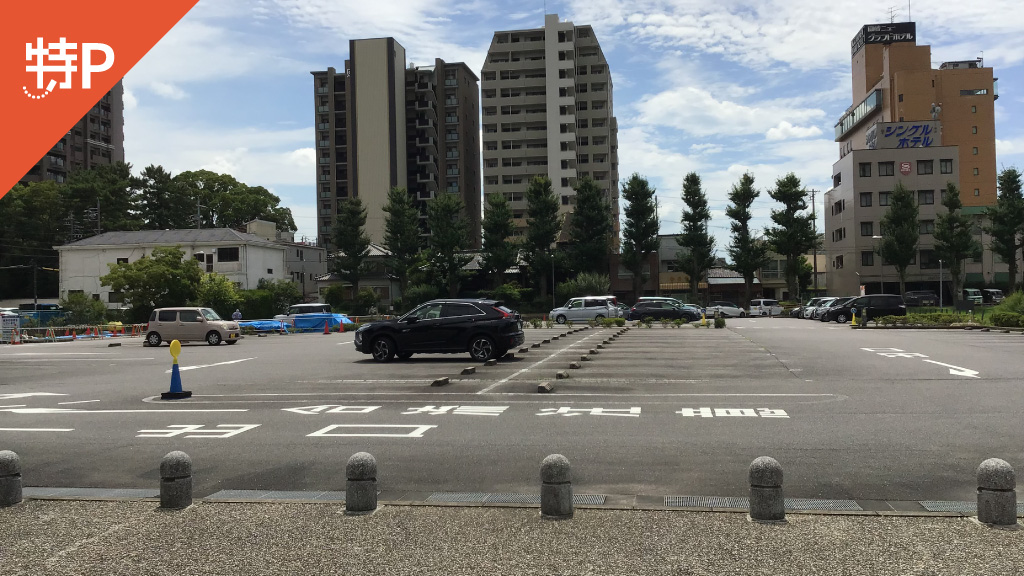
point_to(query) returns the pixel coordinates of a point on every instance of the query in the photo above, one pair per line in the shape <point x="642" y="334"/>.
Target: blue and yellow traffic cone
<point x="175" y="393"/>
<point x="853" y="319"/>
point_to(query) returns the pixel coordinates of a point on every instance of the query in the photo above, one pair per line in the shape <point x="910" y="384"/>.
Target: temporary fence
<point x="81" y="332"/>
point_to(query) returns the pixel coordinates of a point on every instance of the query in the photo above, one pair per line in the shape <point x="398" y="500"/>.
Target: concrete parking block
<point x="114" y="345"/>
<point x="491" y="362"/>
<point x="546" y="341"/>
<point x="469" y="370"/>
<point x="545" y="387"/>
<point x="593" y="351"/>
<point x="535" y="345"/>
<point x="574" y="365"/>
<point x="509" y="356"/>
<point x="441" y="381"/>
<point x="600" y="347"/>
<point x="555" y="337"/>
<point x="524" y="350"/>
<point x="561" y="375"/>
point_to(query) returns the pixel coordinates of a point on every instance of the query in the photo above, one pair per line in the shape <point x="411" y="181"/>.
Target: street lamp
<point x="940" y="284"/>
<point x="881" y="266"/>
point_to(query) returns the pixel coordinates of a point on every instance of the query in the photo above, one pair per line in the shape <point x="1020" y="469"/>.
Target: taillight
<point x="503" y="313"/>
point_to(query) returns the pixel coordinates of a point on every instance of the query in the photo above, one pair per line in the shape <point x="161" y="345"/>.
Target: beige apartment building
<point x="546" y="99"/>
<point x="920" y="126"/>
<point x="381" y="124"/>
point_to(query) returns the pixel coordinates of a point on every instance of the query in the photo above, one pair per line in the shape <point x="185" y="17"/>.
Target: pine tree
<point x="748" y="254"/>
<point x="543" y="225"/>
<point x="901" y="231"/>
<point x="499" y="250"/>
<point x="640" y="233"/>
<point x="954" y="242"/>
<point x="402" y="235"/>
<point x="793" y="233"/>
<point x="1006" y="222"/>
<point x="590" y="229"/>
<point x="351" y="241"/>
<point x="449" y="238"/>
<point x="698" y="246"/>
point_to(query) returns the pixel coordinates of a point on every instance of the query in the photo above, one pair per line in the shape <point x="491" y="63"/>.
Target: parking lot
<point x="851" y="414"/>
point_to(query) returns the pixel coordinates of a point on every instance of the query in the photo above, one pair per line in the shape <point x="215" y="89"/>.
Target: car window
<point x="455" y="310"/>
<point x="592" y="302"/>
<point x="425" y="312"/>
<point x="188" y="316"/>
<point x="209" y="314"/>
<point x="575" y="304"/>
<point x="152" y="316"/>
<point x="168" y="315"/>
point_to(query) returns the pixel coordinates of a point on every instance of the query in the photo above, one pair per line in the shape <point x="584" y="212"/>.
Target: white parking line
<point x="535" y="364"/>
<point x="77" y="402"/>
<point x="184" y="368"/>
<point x="36" y="429"/>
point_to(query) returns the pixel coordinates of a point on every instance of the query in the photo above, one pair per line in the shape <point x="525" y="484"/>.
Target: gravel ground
<point x="75" y="537"/>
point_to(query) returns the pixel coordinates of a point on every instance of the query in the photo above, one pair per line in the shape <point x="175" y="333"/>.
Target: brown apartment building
<point x="546" y="99"/>
<point x="921" y="126"/>
<point x="381" y="124"/>
<point x="96" y="139"/>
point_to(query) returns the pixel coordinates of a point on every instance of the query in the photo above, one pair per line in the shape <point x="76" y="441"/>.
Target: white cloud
<point x="167" y="90"/>
<point x="130" y="102"/>
<point x="787" y="131"/>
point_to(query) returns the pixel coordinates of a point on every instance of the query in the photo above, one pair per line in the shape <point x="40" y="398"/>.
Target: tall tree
<point x="542" y="232"/>
<point x="499" y="250"/>
<point x="166" y="278"/>
<point x="901" y="231"/>
<point x="590" y="229"/>
<point x="698" y="246"/>
<point x="449" y="239"/>
<point x="793" y="233"/>
<point x="747" y="253"/>
<point x="163" y="205"/>
<point x="954" y="241"/>
<point x="32" y="221"/>
<point x="402" y="235"/>
<point x="351" y="241"/>
<point x="1006" y="222"/>
<point x="109" y="188"/>
<point x="223" y="202"/>
<point x="640" y="233"/>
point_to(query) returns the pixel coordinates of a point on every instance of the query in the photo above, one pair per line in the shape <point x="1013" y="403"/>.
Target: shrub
<point x="620" y="322"/>
<point x="1006" y="319"/>
<point x="719" y="322"/>
<point x="218" y="292"/>
<point x="367" y="299"/>
<point x="677" y="322"/>
<point x="257" y="304"/>
<point x="511" y="294"/>
<point x="1012" y="303"/>
<point x="420" y="293"/>
<point x="81" y="309"/>
<point x="536" y="322"/>
<point x="584" y="284"/>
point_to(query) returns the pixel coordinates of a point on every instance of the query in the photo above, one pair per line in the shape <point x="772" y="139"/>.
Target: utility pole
<point x="35" y="288"/>
<point x="814" y="247"/>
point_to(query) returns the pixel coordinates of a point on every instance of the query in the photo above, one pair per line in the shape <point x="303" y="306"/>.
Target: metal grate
<point x="588" y="499"/>
<point x="317" y="495"/>
<point x="38" y="492"/>
<point x="510" y="498"/>
<point x="707" y="502"/>
<point x="813" y="504"/>
<point x="961" y="507"/>
<point x="458" y="497"/>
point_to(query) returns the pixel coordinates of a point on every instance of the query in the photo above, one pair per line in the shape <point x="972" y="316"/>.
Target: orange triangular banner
<point x="58" y="59"/>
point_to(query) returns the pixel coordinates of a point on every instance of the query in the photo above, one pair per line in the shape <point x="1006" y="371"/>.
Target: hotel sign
<point x="922" y="134"/>
<point x="883" y="34"/>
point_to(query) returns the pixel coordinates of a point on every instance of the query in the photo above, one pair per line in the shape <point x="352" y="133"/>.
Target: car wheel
<point x="482" y="348"/>
<point x="841" y="318"/>
<point x="404" y="355"/>
<point x="383" y="349"/>
<point x="599" y="317"/>
<point x="213" y="338"/>
<point x="560" y="319"/>
<point x="153" y="339"/>
<point x="743" y="314"/>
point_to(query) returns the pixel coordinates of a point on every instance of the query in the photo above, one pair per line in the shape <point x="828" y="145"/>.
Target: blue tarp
<point x="301" y="323"/>
<point x="262" y="325"/>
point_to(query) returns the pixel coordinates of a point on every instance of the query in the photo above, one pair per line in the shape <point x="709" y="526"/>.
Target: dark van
<point x="870" y="307"/>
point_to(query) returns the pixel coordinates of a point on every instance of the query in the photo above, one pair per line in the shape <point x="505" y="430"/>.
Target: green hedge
<point x="1006" y="319"/>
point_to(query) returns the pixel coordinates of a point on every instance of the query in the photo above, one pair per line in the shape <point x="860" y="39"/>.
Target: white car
<point x="585" y="308"/>
<point x="725" y="309"/>
<point x="299" y="309"/>
<point x="765" y="307"/>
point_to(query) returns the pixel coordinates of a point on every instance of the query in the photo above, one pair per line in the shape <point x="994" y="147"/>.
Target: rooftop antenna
<point x="909" y="19"/>
<point x="892" y="14"/>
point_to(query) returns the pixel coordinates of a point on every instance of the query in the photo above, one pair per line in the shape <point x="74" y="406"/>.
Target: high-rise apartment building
<point x="922" y="127"/>
<point x="546" y="98"/>
<point x="96" y="139"/>
<point x="380" y="125"/>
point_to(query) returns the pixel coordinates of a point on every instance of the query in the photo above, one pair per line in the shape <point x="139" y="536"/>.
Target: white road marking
<point x="36" y="429"/>
<point x="77" y="402"/>
<point x="416" y="432"/>
<point x="61" y="354"/>
<point x="15" y="406"/>
<point x="73" y="411"/>
<point x="957" y="370"/>
<point x="184" y="368"/>
<point x="535" y="364"/>
<point x="227" y="397"/>
<point x="14" y="395"/>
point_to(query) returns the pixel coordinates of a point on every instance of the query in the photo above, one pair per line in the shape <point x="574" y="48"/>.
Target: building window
<point x="838" y="234"/>
<point x="115" y="297"/>
<point x="886" y="168"/>
<point x="929" y="260"/>
<point x="867" y="258"/>
<point x="884" y="198"/>
<point x="975" y="171"/>
<point x="227" y="254"/>
<point x="864" y="169"/>
<point x="977" y="192"/>
<point x="837" y="262"/>
<point x="901" y="97"/>
<point x="270" y="270"/>
<point x="926" y="197"/>
<point x="946" y="166"/>
<point x="927" y="227"/>
<point x="865" y="199"/>
<point x="974" y="150"/>
<point x="925" y="167"/>
<point x="122" y="260"/>
<point x="565" y="200"/>
<point x="974" y="109"/>
<point x="867" y="228"/>
<point x="974" y="129"/>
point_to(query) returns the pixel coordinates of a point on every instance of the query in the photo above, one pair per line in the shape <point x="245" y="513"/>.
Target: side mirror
<point x="412" y="320"/>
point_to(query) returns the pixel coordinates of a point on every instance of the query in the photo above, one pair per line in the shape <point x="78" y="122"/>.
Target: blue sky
<point x="719" y="88"/>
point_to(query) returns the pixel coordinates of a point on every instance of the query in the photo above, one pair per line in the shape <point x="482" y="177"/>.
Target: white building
<point x="245" y="259"/>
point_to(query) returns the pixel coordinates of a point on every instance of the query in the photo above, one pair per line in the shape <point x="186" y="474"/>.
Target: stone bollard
<point x="555" y="488"/>
<point x="767" y="503"/>
<point x="176" y="481"/>
<point x="997" y="497"/>
<point x="361" y="485"/>
<point x="10" y="478"/>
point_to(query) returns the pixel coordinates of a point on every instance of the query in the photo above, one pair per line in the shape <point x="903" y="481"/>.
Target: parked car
<point x="822" y="305"/>
<point x="765" y="307"/>
<point x="805" y="310"/>
<point x="921" y="298"/>
<point x="992" y="296"/>
<point x="871" y="306"/>
<point x="585" y="308"/>
<point x="831" y="312"/>
<point x="662" y="310"/>
<point x="484" y="328"/>
<point x="190" y="324"/>
<point x="299" y="309"/>
<point x="726" y="309"/>
<point x="973" y="295"/>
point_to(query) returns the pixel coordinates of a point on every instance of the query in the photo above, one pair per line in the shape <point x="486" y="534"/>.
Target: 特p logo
<point x="55" y="58"/>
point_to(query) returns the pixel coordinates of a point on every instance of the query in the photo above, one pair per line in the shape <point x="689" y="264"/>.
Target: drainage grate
<point x="813" y="504"/>
<point x="458" y="497"/>
<point x="707" y="502"/>
<point x="40" y="492"/>
<point x="961" y="507"/>
<point x="316" y="495"/>
<point x="588" y="499"/>
<point x="509" y="498"/>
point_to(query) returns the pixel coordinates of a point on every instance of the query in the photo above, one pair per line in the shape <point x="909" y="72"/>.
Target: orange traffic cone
<point x="341" y="326"/>
<point x="327" y="325"/>
<point x="67" y="332"/>
<point x="74" y="335"/>
<point x="17" y="337"/>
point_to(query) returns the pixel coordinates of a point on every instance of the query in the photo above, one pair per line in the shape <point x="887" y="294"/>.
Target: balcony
<point x="424" y="86"/>
<point x="422" y="123"/>
<point x="426" y="178"/>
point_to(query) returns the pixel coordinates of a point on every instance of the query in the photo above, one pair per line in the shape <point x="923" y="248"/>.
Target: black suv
<point x="869" y="307"/>
<point x="921" y="298"/>
<point x="661" y="310"/>
<point x="484" y="328"/>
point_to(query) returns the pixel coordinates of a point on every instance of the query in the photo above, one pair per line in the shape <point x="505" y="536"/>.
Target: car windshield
<point x="209" y="314"/>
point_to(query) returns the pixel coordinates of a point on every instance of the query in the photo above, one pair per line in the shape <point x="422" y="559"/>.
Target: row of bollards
<point x="997" y="495"/>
